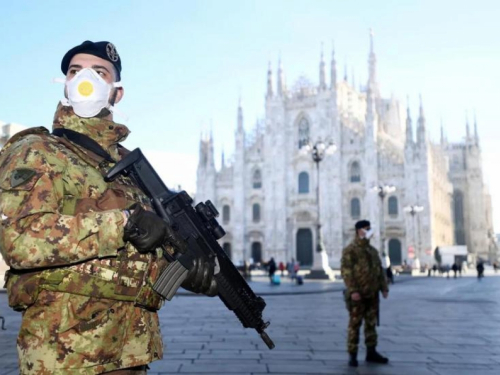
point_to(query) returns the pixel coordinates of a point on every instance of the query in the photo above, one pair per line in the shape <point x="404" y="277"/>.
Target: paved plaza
<point x="432" y="325"/>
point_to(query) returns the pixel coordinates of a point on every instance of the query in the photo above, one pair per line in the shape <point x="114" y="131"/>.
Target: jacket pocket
<point x="91" y="332"/>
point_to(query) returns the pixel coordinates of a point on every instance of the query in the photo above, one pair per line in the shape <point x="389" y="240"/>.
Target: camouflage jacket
<point x="361" y="269"/>
<point x="82" y="288"/>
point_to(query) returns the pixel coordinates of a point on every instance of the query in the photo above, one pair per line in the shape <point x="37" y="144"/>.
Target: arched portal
<point x="395" y="254"/>
<point x="305" y="247"/>
<point x="257" y="252"/>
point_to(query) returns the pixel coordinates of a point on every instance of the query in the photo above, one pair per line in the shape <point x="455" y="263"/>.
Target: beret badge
<point x="111" y="51"/>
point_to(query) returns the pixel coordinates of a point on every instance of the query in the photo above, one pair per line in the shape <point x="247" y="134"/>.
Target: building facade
<point x="267" y="195"/>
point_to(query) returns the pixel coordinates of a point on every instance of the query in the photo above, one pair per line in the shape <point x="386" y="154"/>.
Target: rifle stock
<point x="199" y="228"/>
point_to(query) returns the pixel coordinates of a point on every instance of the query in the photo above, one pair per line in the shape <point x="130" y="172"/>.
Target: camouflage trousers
<point x="366" y="310"/>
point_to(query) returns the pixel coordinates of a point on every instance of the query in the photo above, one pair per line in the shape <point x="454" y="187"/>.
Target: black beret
<point x="362" y="224"/>
<point x="104" y="50"/>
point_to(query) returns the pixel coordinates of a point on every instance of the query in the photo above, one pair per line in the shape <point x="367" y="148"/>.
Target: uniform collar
<point x="105" y="132"/>
<point x="362" y="241"/>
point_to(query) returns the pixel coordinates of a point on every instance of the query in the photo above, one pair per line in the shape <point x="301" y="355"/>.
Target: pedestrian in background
<point x="271" y="266"/>
<point x="291" y="269"/>
<point x="480" y="270"/>
<point x="364" y="279"/>
<point x="455" y="270"/>
<point x="281" y="267"/>
<point x="386" y="265"/>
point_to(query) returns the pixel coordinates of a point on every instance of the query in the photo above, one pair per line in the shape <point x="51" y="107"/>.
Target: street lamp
<point x="382" y="191"/>
<point x="413" y="210"/>
<point x="318" y="152"/>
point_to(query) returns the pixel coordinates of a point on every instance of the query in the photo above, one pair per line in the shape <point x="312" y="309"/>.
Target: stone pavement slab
<point x="429" y="326"/>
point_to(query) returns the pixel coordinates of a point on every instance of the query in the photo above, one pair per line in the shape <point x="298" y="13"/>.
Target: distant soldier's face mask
<point x="88" y="93"/>
<point x="368" y="233"/>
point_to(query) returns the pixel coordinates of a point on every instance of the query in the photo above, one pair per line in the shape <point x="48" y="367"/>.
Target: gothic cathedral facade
<point x="268" y="194"/>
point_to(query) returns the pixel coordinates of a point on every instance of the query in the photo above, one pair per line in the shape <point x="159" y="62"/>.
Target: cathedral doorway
<point x="305" y="247"/>
<point x="395" y="254"/>
<point x="257" y="252"/>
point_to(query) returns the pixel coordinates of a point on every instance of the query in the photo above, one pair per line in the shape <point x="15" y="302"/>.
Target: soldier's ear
<point x="120" y="91"/>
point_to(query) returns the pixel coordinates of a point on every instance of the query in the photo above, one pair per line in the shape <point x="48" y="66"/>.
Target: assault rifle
<point x="200" y="230"/>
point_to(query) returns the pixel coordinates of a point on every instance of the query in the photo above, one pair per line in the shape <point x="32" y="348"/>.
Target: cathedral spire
<point x="442" y="134"/>
<point x="421" y="132"/>
<point x="240" y="116"/>
<point x="345" y="72"/>
<point x="333" y="70"/>
<point x="281" y="79"/>
<point x="371" y="116"/>
<point x="269" y="81"/>
<point x="211" y="155"/>
<point x="409" y="129"/>
<point x="467" y="129"/>
<point x="322" y="73"/>
<point x="222" y="161"/>
<point x="372" y="68"/>
<point x="476" y="136"/>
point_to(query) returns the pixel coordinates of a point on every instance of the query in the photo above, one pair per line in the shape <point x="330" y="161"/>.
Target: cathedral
<point x="418" y="195"/>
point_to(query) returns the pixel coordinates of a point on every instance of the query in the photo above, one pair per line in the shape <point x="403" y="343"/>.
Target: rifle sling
<point x="84" y="141"/>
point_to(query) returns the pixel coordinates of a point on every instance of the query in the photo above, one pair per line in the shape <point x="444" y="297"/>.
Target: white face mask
<point x="88" y="93"/>
<point x="369" y="233"/>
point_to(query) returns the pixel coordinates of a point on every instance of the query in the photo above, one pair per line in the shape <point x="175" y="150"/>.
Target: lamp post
<point x="318" y="151"/>
<point x="382" y="191"/>
<point x="413" y="210"/>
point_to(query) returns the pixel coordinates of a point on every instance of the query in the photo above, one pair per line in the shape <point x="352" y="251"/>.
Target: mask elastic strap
<point x="116" y="111"/>
<point x="59" y="80"/>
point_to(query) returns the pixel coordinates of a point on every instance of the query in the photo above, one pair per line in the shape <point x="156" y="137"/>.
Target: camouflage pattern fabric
<point x="362" y="272"/>
<point x="87" y="298"/>
<point x="366" y="310"/>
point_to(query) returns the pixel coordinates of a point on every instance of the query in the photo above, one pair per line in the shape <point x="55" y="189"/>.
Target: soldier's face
<point x="362" y="232"/>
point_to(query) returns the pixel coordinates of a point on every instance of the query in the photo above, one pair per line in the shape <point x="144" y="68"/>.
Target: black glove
<point x="201" y="279"/>
<point x="145" y="230"/>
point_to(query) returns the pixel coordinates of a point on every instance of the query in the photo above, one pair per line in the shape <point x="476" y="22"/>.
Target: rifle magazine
<point x="170" y="280"/>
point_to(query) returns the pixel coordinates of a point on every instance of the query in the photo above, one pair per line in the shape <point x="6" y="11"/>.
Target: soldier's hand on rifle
<point x="144" y="229"/>
<point x="201" y="278"/>
<point x="356" y="296"/>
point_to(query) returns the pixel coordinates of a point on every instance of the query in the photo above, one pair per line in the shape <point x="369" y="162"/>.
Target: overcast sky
<point x="185" y="63"/>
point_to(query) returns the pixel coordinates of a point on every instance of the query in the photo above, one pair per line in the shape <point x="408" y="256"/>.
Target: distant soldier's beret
<point x="104" y="50"/>
<point x="362" y="224"/>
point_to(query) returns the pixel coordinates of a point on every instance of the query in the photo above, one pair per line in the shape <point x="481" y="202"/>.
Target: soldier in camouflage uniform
<point x="83" y="253"/>
<point x="364" y="279"/>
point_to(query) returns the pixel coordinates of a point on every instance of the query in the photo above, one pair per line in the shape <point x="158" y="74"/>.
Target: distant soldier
<point x="364" y="278"/>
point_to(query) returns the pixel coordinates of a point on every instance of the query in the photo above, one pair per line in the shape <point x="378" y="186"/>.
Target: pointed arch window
<point x="303" y="132"/>
<point x="256" y="212"/>
<point x="459" y="218"/>
<point x="226" y="214"/>
<point x="355" y="208"/>
<point x="393" y="206"/>
<point x="257" y="179"/>
<point x="303" y="183"/>
<point x="355" y="172"/>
